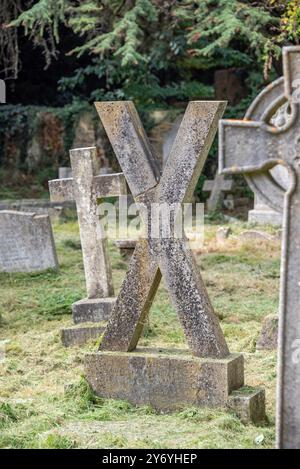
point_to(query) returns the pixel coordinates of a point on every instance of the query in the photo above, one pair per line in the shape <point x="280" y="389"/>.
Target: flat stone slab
<point x="40" y="207"/>
<point x="265" y="217"/>
<point x="92" y="310"/>
<point x="26" y="242"/>
<point x="268" y="338"/>
<point x="249" y="405"/>
<point x="255" y="235"/>
<point x="165" y="380"/>
<point x="73" y="336"/>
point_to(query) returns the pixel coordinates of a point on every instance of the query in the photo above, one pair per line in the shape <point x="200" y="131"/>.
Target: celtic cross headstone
<point x="253" y="148"/>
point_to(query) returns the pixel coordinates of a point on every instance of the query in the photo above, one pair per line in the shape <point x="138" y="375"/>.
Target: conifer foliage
<point x="157" y="50"/>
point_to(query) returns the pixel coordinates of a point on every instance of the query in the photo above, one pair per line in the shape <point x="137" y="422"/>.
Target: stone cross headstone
<point x="86" y="187"/>
<point x="269" y="186"/>
<point x="145" y="376"/>
<point x="253" y="148"/>
<point x="26" y="242"/>
<point x="217" y="187"/>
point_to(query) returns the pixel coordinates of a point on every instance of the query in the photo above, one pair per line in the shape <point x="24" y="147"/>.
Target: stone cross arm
<point x="248" y="146"/>
<point x="224" y="185"/>
<point x="245" y="147"/>
<point x="106" y="185"/>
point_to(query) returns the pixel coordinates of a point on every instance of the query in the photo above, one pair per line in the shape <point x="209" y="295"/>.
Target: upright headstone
<point x="86" y="187"/>
<point x="265" y="146"/>
<point x="159" y="378"/>
<point x="26" y="242"/>
<point x="269" y="186"/>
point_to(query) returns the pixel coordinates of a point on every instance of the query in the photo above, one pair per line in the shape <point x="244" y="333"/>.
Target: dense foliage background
<point x="156" y="52"/>
<point x="64" y="54"/>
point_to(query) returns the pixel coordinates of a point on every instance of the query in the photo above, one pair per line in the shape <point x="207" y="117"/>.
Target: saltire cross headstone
<point x="253" y="148"/>
<point x="155" y="377"/>
<point x="86" y="187"/>
<point x="171" y="258"/>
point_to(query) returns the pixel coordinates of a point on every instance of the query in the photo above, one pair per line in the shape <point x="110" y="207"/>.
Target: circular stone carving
<point x="271" y="107"/>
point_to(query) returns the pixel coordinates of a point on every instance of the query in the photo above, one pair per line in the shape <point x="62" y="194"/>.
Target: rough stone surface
<point x="249" y="405"/>
<point x="153" y="256"/>
<point x="129" y="141"/>
<point x="73" y="336"/>
<point x="268" y="338"/>
<point x="26" y="242"/>
<point x="104" y="185"/>
<point x="94" y="245"/>
<point x="92" y="310"/>
<point x="85" y="188"/>
<point x="162" y="380"/>
<point x="269" y="186"/>
<point x="274" y="145"/>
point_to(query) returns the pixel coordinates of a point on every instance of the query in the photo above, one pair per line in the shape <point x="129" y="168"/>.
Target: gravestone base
<point x="265" y="217"/>
<point x="92" y="310"/>
<point x="80" y="335"/>
<point x="165" y="380"/>
<point x="262" y="214"/>
<point x="249" y="405"/>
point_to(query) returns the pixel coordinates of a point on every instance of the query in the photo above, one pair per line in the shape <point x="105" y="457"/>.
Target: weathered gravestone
<point x="255" y="147"/>
<point x="269" y="186"/>
<point x="86" y="187"/>
<point x="217" y="188"/>
<point x="39" y="207"/>
<point x="163" y="379"/>
<point x="26" y="242"/>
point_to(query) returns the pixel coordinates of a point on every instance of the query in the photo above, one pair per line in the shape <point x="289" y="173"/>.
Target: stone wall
<point x="35" y="138"/>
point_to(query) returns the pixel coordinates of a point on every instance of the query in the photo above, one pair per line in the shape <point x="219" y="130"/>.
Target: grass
<point x="45" y="402"/>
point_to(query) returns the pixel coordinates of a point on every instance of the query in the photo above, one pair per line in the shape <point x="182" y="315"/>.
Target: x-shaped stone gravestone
<point x="86" y="187"/>
<point x="249" y="147"/>
<point x="156" y="377"/>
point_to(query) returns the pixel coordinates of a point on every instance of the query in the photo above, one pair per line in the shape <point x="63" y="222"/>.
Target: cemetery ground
<point x="45" y="404"/>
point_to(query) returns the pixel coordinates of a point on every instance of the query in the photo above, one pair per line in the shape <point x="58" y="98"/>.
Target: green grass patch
<point x="44" y="401"/>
